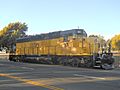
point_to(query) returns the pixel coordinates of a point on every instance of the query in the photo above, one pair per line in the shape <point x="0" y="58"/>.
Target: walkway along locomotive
<point x="69" y="47"/>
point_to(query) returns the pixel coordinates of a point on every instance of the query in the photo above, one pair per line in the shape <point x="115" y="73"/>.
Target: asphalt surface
<point x="28" y="76"/>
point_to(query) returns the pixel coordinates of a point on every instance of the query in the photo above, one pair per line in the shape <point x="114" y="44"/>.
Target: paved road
<point x="27" y="76"/>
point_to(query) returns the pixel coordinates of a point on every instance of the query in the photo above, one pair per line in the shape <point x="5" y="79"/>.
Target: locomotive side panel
<point x="54" y="47"/>
<point x="71" y="47"/>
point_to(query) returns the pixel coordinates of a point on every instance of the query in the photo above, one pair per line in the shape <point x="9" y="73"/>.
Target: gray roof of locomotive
<point x="53" y="35"/>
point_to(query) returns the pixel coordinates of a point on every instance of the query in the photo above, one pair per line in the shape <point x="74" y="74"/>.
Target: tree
<point x="99" y="39"/>
<point x="115" y="42"/>
<point x="118" y="44"/>
<point x="11" y="32"/>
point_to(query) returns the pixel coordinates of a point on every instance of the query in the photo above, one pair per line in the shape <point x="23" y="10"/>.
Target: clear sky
<point x="95" y="16"/>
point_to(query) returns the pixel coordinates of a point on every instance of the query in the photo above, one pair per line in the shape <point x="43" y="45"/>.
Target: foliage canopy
<point x="11" y="32"/>
<point x="115" y="41"/>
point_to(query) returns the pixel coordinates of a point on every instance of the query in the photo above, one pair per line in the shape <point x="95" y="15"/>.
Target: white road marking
<point x="111" y="71"/>
<point x="27" y="68"/>
<point x="92" y="77"/>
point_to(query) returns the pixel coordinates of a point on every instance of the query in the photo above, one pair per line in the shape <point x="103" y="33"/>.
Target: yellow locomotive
<point x="69" y="47"/>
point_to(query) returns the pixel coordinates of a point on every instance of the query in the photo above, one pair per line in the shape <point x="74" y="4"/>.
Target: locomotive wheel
<point x="75" y="62"/>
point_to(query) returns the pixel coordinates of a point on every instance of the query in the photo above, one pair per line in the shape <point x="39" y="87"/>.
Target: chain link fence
<point x="116" y="56"/>
<point x="117" y="61"/>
